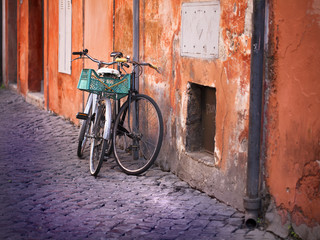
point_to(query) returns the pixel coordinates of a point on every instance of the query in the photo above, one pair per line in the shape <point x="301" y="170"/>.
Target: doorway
<point x="10" y="41"/>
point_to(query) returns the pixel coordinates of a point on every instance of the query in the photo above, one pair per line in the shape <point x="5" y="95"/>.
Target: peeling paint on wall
<point x="160" y="43"/>
<point x="292" y="126"/>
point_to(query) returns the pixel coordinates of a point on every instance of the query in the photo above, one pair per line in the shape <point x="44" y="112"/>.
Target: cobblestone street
<point x="47" y="192"/>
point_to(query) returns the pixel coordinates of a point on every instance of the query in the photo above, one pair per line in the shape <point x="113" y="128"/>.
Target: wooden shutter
<point x="65" y="23"/>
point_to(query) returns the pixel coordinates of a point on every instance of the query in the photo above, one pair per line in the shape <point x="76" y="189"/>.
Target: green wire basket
<point x="116" y="88"/>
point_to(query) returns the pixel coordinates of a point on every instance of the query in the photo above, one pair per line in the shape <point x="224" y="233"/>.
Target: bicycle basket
<point x="116" y="87"/>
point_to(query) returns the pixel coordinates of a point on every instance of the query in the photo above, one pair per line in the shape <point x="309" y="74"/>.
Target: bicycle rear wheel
<point x="98" y="144"/>
<point x="137" y="142"/>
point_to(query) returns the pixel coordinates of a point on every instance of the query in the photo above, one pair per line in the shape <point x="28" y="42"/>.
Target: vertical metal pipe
<point x="136" y="25"/>
<point x="47" y="67"/>
<point x="83" y="36"/>
<point x="252" y="202"/>
<point x="113" y="24"/>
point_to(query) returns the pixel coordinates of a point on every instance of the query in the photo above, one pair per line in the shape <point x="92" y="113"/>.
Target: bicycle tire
<point x="82" y="139"/>
<point x="135" y="151"/>
<point x="98" y="144"/>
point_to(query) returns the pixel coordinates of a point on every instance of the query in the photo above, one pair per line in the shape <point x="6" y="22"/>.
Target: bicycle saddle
<point x="106" y="72"/>
<point x="116" y="54"/>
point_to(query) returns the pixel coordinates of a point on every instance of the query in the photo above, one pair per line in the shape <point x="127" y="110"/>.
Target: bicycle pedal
<point x="82" y="116"/>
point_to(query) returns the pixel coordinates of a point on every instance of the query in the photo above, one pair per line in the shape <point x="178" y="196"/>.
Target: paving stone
<point x="47" y="192"/>
<point x="235" y="221"/>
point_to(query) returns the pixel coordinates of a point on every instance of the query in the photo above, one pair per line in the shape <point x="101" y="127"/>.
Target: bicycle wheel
<point x="83" y="135"/>
<point x="98" y="144"/>
<point x="137" y="142"/>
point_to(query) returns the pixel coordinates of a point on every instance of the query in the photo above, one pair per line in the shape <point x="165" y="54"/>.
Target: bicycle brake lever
<point x="159" y="70"/>
<point x="155" y="68"/>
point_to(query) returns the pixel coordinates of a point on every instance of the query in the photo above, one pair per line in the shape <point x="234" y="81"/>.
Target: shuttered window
<point x="65" y="17"/>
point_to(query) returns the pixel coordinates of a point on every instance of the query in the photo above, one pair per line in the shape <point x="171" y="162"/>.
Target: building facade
<point x="204" y="51"/>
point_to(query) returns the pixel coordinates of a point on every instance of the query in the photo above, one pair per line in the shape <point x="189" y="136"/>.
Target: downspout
<point x="113" y="25"/>
<point x="47" y="67"/>
<point x="252" y="201"/>
<point x="136" y="11"/>
<point x="83" y="36"/>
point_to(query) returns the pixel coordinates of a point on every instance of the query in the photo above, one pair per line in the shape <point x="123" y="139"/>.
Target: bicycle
<point x="137" y="126"/>
<point x="86" y="117"/>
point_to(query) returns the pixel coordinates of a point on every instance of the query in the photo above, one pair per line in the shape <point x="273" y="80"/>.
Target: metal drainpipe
<point x="252" y="202"/>
<point x="136" y="39"/>
<point x="135" y="122"/>
<point x="47" y="67"/>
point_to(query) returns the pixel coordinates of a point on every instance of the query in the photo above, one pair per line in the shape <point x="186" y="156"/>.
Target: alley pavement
<point x="47" y="192"/>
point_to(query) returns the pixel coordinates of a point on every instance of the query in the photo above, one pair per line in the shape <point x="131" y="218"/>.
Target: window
<point x="65" y="18"/>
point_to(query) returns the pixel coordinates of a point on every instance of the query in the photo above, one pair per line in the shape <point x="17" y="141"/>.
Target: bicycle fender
<point x="89" y="103"/>
<point x="94" y="103"/>
<point x="108" y="120"/>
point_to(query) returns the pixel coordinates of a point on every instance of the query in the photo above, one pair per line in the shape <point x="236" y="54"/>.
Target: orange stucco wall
<point x="91" y="29"/>
<point x="160" y="38"/>
<point x="293" y="113"/>
<point x="60" y="90"/>
<point x="22" y="49"/>
<point x="98" y="30"/>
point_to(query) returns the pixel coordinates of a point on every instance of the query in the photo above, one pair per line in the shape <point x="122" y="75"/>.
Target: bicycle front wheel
<point x="98" y="144"/>
<point x="137" y="134"/>
<point x="83" y="135"/>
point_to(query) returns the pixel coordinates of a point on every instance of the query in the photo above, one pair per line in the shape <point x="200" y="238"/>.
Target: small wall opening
<point x="201" y="119"/>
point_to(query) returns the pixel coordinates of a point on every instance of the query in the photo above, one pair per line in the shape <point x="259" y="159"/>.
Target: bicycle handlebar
<point x="77" y="53"/>
<point x="121" y="60"/>
<point x="127" y="60"/>
<point x="85" y="53"/>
